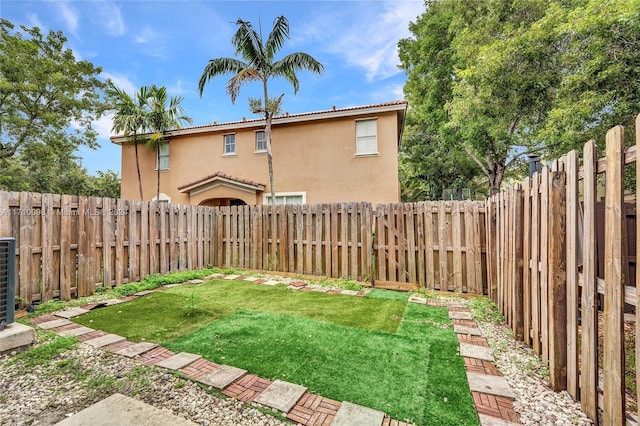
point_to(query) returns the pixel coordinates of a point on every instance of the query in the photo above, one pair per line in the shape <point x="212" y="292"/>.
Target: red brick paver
<point x="496" y="406"/>
<point x="65" y="327"/>
<point x="388" y="421"/>
<point x="114" y="347"/>
<point x="473" y="340"/>
<point x="314" y="410"/>
<point x="466" y="323"/>
<point x="247" y="388"/>
<point x="199" y="368"/>
<point x="91" y="335"/>
<point x="43" y="318"/>
<point x="474" y="365"/>
<point x="156" y="355"/>
<point x="458" y="309"/>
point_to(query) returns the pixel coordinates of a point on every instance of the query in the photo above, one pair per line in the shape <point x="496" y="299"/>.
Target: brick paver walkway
<point x="310" y="409"/>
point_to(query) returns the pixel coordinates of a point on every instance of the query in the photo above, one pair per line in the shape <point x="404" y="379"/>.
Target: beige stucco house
<point x="338" y="155"/>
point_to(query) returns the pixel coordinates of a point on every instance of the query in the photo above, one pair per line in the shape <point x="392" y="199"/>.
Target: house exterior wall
<point x="317" y="157"/>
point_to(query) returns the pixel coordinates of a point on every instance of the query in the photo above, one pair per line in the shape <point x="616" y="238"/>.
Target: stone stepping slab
<point x="107" y="339"/>
<point x="53" y="324"/>
<point x="493" y="385"/>
<point x="349" y="292"/>
<point x="494" y="421"/>
<point x="78" y="331"/>
<point x="145" y="292"/>
<point x="271" y="282"/>
<point x="281" y="395"/>
<point x="178" y="361"/>
<point x="222" y="376"/>
<point x="71" y="313"/>
<point x="356" y="415"/>
<point x="137" y="349"/>
<point x="460" y="315"/>
<point x="463" y="329"/>
<point x="195" y="281"/>
<point x="251" y="279"/>
<point x="475" y="351"/>
<point x="292" y="287"/>
<point x="231" y="277"/>
<point x="417" y="299"/>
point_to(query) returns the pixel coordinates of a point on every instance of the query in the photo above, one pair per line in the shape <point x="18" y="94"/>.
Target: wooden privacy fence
<point x="69" y="245"/>
<point x="543" y="268"/>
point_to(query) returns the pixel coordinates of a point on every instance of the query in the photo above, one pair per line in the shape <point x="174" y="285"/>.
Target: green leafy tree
<point x="46" y="95"/>
<point x="163" y="114"/>
<point x="259" y="65"/>
<point x="130" y="118"/>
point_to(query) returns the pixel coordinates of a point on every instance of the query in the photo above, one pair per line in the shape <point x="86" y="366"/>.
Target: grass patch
<point x="162" y="316"/>
<point x="414" y="374"/>
<point x="45" y="353"/>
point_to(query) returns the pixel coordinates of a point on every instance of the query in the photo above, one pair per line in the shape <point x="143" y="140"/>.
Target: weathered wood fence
<point x="69" y="245"/>
<point x="543" y="271"/>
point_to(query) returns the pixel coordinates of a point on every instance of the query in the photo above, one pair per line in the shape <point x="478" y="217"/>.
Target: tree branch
<point x="474" y="158"/>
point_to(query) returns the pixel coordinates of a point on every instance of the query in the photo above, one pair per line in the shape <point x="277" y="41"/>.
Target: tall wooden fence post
<point x="557" y="282"/>
<point x="614" y="386"/>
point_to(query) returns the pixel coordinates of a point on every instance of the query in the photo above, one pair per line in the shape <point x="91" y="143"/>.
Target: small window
<point x="367" y="137"/>
<point x="163" y="157"/>
<point x="286" y="198"/>
<point x="261" y="141"/>
<point x="229" y="144"/>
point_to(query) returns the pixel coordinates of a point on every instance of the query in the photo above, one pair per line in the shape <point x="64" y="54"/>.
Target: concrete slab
<point x="418" y="299"/>
<point x="281" y="395"/>
<point x="293" y="287"/>
<point x="463" y="329"/>
<point x="349" y="292"/>
<point x="71" y="313"/>
<point x="493" y="421"/>
<point x="461" y="315"/>
<point x="172" y="285"/>
<point x="144" y="293"/>
<point x="320" y="289"/>
<point x="78" y="331"/>
<point x="105" y="340"/>
<point x="487" y="383"/>
<point x="478" y="352"/>
<point x="231" y="277"/>
<point x="456" y="305"/>
<point x="251" y="279"/>
<point x="356" y="415"/>
<point x="272" y="282"/>
<point x="217" y="276"/>
<point x="178" y="361"/>
<point x="53" y="324"/>
<point x="111" y="302"/>
<point x="137" y="349"/>
<point x="16" y="335"/>
<point x="195" y="281"/>
<point x="223" y="376"/>
<point x="122" y="410"/>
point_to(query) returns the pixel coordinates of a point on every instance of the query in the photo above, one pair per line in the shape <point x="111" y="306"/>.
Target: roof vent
<point x="7" y="281"/>
<point x="334" y="107"/>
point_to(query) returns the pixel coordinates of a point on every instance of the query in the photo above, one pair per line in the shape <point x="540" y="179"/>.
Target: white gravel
<point x="47" y="393"/>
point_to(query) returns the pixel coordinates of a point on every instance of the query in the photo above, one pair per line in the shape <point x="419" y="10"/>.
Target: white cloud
<point x="34" y="21"/>
<point x="147" y="36"/>
<point x="103" y="126"/>
<point x="370" y="39"/>
<point x="177" y="89"/>
<point x="111" y="18"/>
<point x="70" y="16"/>
<point x="121" y="81"/>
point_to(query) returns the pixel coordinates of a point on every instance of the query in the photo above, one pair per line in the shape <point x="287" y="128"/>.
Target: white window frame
<point x="283" y="195"/>
<point x="163" y="157"/>
<point x="225" y="145"/>
<point x="264" y="140"/>
<point x="362" y="138"/>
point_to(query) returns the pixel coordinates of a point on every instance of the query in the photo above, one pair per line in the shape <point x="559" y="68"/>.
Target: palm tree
<point x="129" y="117"/>
<point x="163" y="114"/>
<point x="259" y="65"/>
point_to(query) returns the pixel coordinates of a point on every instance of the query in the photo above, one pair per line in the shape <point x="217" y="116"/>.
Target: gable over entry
<point x="223" y="189"/>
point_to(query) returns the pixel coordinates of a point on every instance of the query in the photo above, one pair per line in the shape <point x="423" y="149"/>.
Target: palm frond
<point x="290" y="64"/>
<point x="276" y="38"/>
<point x="220" y="66"/>
<point x="248" y="44"/>
<point x="245" y="75"/>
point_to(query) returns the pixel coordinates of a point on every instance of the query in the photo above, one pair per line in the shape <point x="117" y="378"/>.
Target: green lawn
<point x="378" y="351"/>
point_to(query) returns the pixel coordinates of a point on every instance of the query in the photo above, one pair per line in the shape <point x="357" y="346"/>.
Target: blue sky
<point x="168" y="43"/>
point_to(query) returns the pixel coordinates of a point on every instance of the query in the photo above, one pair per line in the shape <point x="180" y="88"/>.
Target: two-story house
<point x="338" y="155"/>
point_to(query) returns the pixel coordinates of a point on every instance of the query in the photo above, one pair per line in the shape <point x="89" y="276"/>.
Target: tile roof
<point x="220" y="175"/>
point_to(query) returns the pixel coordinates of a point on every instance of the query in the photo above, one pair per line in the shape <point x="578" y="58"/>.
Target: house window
<point x="229" y="144"/>
<point x="287" y="198"/>
<point x="163" y="157"/>
<point x="367" y="137"/>
<point x="261" y="141"/>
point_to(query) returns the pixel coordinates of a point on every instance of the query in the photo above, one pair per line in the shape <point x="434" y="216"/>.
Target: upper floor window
<point x="261" y="141"/>
<point x="367" y="137"/>
<point x="163" y="156"/>
<point x="229" y="144"/>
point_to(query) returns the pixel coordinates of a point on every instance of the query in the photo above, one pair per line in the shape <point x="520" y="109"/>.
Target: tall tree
<point x="259" y="64"/>
<point x="164" y="113"/>
<point x="130" y="117"/>
<point x="46" y="95"/>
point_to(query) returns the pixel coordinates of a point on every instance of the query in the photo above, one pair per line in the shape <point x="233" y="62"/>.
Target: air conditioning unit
<point x="7" y="281"/>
